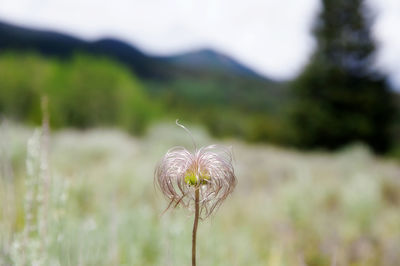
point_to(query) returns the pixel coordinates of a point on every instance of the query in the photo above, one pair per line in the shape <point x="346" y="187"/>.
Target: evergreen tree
<point x="340" y="98"/>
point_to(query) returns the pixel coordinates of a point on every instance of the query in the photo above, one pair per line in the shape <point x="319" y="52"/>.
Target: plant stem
<point x="196" y="221"/>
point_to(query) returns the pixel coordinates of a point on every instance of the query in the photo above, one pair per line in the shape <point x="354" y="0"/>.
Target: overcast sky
<point x="271" y="36"/>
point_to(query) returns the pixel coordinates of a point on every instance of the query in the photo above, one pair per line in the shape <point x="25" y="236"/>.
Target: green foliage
<point x="339" y="99"/>
<point x="83" y="92"/>
<point x="228" y="106"/>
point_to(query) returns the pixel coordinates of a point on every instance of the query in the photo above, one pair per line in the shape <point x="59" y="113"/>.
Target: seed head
<point x="208" y="169"/>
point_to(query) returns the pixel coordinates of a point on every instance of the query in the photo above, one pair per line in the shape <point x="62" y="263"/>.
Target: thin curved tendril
<point x="187" y="131"/>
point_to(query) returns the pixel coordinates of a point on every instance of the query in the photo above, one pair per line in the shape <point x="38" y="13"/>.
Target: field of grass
<point x="87" y="198"/>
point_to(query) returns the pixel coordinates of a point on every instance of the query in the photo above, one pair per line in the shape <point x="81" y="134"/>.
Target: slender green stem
<point x="196" y="222"/>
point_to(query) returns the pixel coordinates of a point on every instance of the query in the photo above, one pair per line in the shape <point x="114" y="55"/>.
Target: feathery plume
<point x="209" y="169"/>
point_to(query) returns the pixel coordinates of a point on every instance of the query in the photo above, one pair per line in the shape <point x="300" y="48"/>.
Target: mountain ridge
<point x="53" y="43"/>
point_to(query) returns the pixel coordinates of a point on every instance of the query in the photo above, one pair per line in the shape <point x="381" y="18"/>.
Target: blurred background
<point x="307" y="92"/>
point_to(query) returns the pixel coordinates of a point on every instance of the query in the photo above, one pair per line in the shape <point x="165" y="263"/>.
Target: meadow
<point x="87" y="198"/>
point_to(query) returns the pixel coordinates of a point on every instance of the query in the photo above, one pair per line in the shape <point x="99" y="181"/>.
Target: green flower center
<point x="191" y="179"/>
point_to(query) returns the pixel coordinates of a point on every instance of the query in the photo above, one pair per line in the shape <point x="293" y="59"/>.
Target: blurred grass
<point x="289" y="208"/>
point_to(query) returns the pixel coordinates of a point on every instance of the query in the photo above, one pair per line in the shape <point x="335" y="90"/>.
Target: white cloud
<point x="274" y="37"/>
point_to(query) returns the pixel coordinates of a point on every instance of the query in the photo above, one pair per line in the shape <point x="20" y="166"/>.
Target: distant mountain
<point x="56" y="44"/>
<point x="201" y="80"/>
<point x="51" y="43"/>
<point x="212" y="60"/>
<point x="204" y="86"/>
